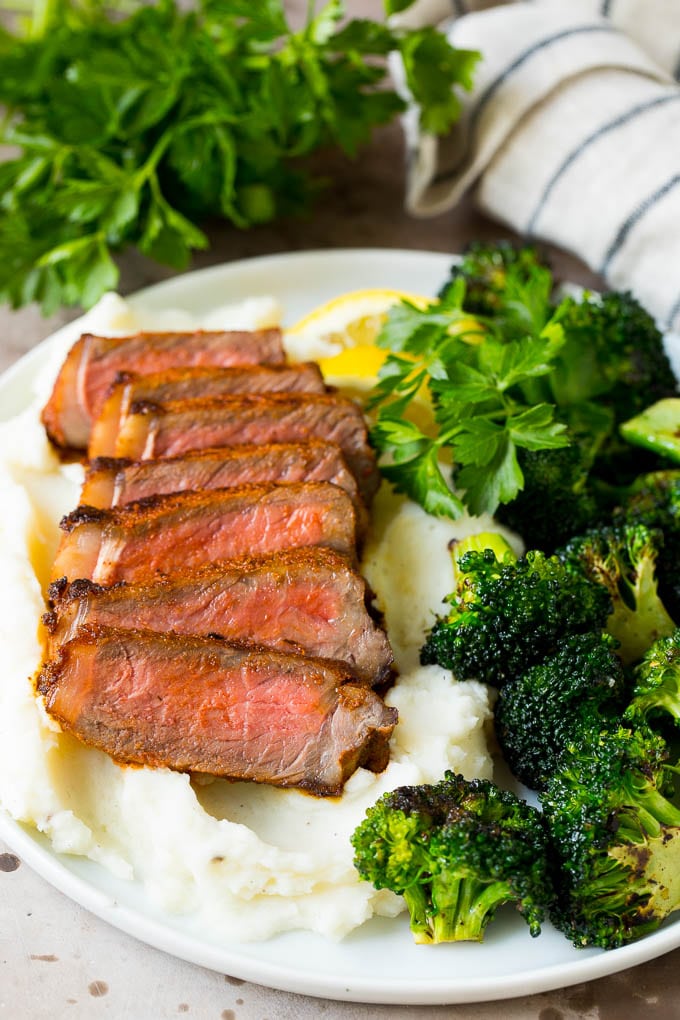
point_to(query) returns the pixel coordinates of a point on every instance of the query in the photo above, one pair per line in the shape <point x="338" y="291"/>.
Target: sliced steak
<point x="191" y="383"/>
<point x="304" y="600"/>
<point x="93" y="363"/>
<point x="148" y="431"/>
<point x="111" y="482"/>
<point x="165" y="534"/>
<point x="201" y="705"/>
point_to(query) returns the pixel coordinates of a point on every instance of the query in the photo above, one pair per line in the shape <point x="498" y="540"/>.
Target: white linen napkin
<point x="571" y="134"/>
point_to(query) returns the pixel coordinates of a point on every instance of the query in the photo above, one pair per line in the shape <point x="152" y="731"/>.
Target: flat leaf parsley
<point x="479" y="372"/>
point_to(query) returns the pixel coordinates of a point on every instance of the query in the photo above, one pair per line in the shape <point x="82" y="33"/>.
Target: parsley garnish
<point x="480" y="374"/>
<point x="135" y="129"/>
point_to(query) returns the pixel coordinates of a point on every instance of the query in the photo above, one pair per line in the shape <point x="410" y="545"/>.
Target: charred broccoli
<point x="507" y="283"/>
<point x="508" y="613"/>
<point x="456" y="851"/>
<point x="654" y="501"/>
<point x="581" y="687"/>
<point x="623" y="560"/>
<point x="615" y="837"/>
<point x="656" y="690"/>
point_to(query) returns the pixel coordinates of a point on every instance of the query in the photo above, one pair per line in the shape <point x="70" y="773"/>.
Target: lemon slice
<point x="341" y="334"/>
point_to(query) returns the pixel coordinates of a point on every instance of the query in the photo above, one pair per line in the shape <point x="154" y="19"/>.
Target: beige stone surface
<point x="57" y="960"/>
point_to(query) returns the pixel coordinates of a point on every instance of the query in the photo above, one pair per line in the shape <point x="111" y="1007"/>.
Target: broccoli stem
<point x="420" y="912"/>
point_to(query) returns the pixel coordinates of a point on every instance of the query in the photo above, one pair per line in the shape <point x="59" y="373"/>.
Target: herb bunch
<point x="133" y="128"/>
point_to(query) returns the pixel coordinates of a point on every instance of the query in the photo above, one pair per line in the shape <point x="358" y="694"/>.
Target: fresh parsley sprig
<point x="480" y="386"/>
<point x="134" y="130"/>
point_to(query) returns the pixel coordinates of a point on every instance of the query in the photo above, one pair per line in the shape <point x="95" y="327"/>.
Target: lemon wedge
<point x="341" y="334"/>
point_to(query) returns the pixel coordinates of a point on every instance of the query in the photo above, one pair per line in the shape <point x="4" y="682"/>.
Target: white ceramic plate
<point x="379" y="962"/>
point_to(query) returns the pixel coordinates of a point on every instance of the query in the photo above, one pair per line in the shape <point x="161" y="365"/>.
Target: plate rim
<point x="165" y="935"/>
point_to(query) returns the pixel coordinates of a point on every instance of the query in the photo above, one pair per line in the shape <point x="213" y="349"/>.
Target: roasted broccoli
<point x="456" y="851"/>
<point x="656" y="691"/>
<point x="613" y="352"/>
<point x="581" y="686"/>
<point x="623" y="560"/>
<point x="505" y="282"/>
<point x="507" y="614"/>
<point x="611" y="366"/>
<point x="615" y="837"/>
<point x="654" y="500"/>
<point x="555" y="502"/>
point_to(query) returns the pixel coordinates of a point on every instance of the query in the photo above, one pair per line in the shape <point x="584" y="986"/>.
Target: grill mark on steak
<point x="165" y="534"/>
<point x="93" y="363"/>
<point x="205" y="706"/>
<point x="306" y="601"/>
<point x="111" y="482"/>
<point x="192" y="425"/>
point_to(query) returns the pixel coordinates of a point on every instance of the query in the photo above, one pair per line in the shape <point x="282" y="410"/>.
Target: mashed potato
<point x="245" y="861"/>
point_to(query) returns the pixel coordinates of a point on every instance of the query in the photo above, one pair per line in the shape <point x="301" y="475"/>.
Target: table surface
<point x="57" y="960"/>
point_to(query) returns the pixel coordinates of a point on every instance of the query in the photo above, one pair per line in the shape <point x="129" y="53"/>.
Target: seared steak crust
<point x="114" y="482"/>
<point x="202" y="705"/>
<point x="303" y="601"/>
<point x="93" y="363"/>
<point x="165" y="534"/>
<point x="148" y="431"/>
<point x="192" y="383"/>
<point x="189" y="383"/>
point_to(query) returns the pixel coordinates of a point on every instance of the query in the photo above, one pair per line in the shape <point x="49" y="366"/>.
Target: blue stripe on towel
<point x="637" y="214"/>
<point x="502" y="78"/>
<point x="619" y="121"/>
<point x="674" y="312"/>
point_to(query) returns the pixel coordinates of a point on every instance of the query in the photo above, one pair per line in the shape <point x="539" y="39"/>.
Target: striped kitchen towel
<point x="571" y="134"/>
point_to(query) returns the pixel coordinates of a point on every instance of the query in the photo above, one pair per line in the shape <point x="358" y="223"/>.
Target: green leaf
<point x="536" y="429"/>
<point x="396" y="6"/>
<point x="422" y="480"/>
<point x="477" y="441"/>
<point x="321" y="27"/>
<point x="433" y="67"/>
<point x="497" y="482"/>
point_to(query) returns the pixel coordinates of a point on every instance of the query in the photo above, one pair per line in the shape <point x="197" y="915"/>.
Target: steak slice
<point x="93" y="363"/>
<point x="149" y="432"/>
<point x="166" y="534"/>
<point x="191" y="383"/>
<point x="305" y="601"/>
<point x="202" y="705"/>
<point x="111" y="482"/>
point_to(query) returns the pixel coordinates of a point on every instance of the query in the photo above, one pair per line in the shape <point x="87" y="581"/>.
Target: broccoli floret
<point x="654" y="500"/>
<point x="540" y="713"/>
<point x="456" y="851"/>
<point x="615" y="837"/>
<point x="623" y="560"/>
<point x="656" y="690"/>
<point x="613" y="356"/>
<point x="508" y="283"/>
<point x="614" y="352"/>
<point x="555" y="502"/>
<point x="507" y="615"/>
